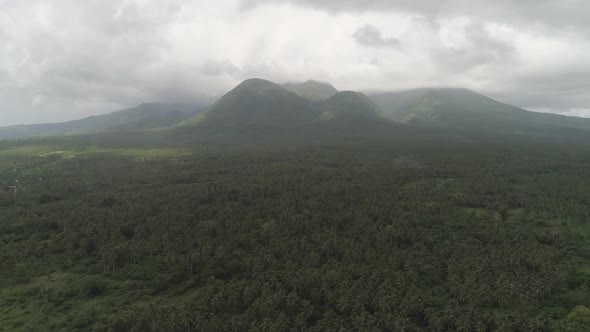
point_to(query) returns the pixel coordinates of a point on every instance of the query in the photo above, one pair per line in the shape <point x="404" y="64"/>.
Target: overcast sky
<point x="67" y="59"/>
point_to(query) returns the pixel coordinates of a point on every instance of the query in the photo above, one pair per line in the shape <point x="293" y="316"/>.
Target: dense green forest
<point x="434" y="234"/>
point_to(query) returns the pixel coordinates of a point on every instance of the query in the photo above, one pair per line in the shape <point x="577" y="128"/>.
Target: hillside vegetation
<point x="462" y="109"/>
<point x="312" y="90"/>
<point x="264" y="104"/>
<point x="145" y="116"/>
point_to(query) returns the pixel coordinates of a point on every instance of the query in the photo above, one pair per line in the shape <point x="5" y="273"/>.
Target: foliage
<point x="465" y="110"/>
<point x="328" y="232"/>
<point x="312" y="90"/>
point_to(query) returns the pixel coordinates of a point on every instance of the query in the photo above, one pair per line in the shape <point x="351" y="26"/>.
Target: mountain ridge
<point x="143" y="116"/>
<point x="312" y="89"/>
<point x="465" y="110"/>
<point x="265" y="103"/>
<point x="254" y="101"/>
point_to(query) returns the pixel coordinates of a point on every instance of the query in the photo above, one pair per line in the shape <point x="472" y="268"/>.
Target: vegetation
<point x="351" y="106"/>
<point x="461" y="109"/>
<point x="257" y="102"/>
<point x="145" y="116"/>
<point x="312" y="90"/>
<point x="376" y="233"/>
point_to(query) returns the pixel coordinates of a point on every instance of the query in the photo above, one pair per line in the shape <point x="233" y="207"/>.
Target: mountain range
<point x="144" y="116"/>
<point x="258" y="104"/>
<point x="465" y="110"/>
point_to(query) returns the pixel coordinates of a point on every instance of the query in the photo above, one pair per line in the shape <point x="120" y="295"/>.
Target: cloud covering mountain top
<point x="67" y="59"/>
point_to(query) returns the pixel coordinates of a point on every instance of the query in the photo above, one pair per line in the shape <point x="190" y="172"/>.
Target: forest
<point x="389" y="234"/>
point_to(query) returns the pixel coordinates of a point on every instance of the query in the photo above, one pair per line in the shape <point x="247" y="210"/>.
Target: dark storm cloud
<point x="369" y="35"/>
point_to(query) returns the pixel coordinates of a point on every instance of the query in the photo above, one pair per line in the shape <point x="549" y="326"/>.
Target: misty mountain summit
<point x="456" y="109"/>
<point x="312" y="90"/>
<point x="257" y="103"/>
<point x="262" y="102"/>
<point x="141" y="117"/>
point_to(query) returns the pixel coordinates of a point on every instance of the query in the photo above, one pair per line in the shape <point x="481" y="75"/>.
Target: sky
<point x="68" y="59"/>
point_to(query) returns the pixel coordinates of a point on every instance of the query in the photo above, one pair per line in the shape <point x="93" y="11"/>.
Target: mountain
<point x="258" y="105"/>
<point x="462" y="109"/>
<point x="144" y="116"/>
<point x="312" y="90"/>
<point x="350" y="106"/>
<point x="261" y="103"/>
<point x="257" y="102"/>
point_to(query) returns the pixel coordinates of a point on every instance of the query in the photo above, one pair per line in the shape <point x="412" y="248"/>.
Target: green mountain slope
<point x="257" y="103"/>
<point x="145" y="116"/>
<point x="461" y="109"/>
<point x="312" y="90"/>
<point x="350" y="106"/>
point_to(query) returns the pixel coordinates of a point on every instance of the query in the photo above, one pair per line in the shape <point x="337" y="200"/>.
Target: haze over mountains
<point x="258" y="103"/>
<point x="144" y="116"/>
<point x="263" y="103"/>
<point x="313" y="90"/>
<point x="465" y="110"/>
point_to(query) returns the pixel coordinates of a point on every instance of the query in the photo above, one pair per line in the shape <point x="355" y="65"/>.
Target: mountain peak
<point x="263" y="104"/>
<point x="256" y="102"/>
<point x="312" y="90"/>
<point x="349" y="94"/>
<point x="316" y="82"/>
<point x="445" y="91"/>
<point x="257" y="85"/>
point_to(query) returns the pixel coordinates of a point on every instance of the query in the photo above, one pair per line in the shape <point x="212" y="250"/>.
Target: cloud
<point x="369" y="35"/>
<point x="66" y="59"/>
<point x="355" y="5"/>
<point x="477" y="49"/>
<point x="563" y="14"/>
<point x="214" y="68"/>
